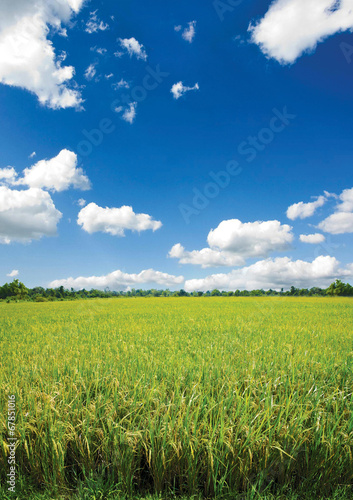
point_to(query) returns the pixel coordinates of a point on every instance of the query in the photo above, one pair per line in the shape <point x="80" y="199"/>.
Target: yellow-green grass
<point x="195" y="396"/>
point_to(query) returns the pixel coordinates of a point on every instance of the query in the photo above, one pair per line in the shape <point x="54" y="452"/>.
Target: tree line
<point x="16" y="291"/>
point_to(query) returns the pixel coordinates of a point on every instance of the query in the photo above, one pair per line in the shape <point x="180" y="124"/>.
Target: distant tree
<point x="215" y="293"/>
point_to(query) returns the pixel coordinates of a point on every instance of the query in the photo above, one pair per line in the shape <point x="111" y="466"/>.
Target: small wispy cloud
<point x="94" y="24"/>
<point x="122" y="84"/>
<point x="90" y="72"/>
<point x="13" y="273"/>
<point x="179" y="89"/>
<point x="32" y="155"/>
<point x="189" y="32"/>
<point x="130" y="113"/>
<point x="133" y="48"/>
<point x="99" y="50"/>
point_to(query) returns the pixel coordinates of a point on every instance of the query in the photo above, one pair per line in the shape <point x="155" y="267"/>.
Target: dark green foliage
<point x="17" y="291"/>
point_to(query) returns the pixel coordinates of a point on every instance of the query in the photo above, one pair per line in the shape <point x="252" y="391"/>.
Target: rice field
<point x="193" y="397"/>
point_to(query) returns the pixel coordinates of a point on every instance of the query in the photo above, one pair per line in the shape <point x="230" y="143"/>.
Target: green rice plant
<point x="212" y="397"/>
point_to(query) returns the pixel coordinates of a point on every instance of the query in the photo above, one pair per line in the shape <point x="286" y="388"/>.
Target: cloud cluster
<point x="276" y="274"/>
<point x="233" y="241"/>
<point x="114" y="221"/>
<point x="292" y="27"/>
<point x="27" y="56"/>
<point x="118" y="280"/>
<point x="133" y="48"/>
<point x="30" y="213"/>
<point x="179" y="89"/>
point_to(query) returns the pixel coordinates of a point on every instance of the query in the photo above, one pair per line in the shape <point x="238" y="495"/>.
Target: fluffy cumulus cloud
<point x="313" y="239"/>
<point x="114" y="221"/>
<point x="133" y="48"/>
<point x="57" y="174"/>
<point x="13" y="273"/>
<point x="27" y="56"/>
<point x="118" y="280"/>
<point x="179" y="89"/>
<point x="303" y="210"/>
<point x="233" y="241"/>
<point x="26" y="215"/>
<point x="206" y="257"/>
<point x="292" y="27"/>
<point x="276" y="274"/>
<point x="338" y="223"/>
<point x="346" y="198"/>
<point x="7" y="175"/>
<point x="341" y="221"/>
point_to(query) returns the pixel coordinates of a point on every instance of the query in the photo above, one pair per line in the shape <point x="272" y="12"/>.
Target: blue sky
<point x="182" y="91"/>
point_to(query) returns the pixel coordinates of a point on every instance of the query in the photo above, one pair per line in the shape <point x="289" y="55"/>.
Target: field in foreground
<point x="187" y="396"/>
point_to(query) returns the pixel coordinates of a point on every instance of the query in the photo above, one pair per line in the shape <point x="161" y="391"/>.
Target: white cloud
<point x="312" y="238"/>
<point x="338" y="223"/>
<point x="114" y="221"/>
<point x="179" y="89"/>
<point x="276" y="274"/>
<point x="90" y="72"/>
<point x="233" y="241"/>
<point x="94" y="24"/>
<point x="206" y="257"/>
<point x="133" y="47"/>
<point x="26" y="215"/>
<point x="347" y="201"/>
<point x="189" y="32"/>
<point x="110" y="75"/>
<point x="99" y="50"/>
<point x="27" y="57"/>
<point x="32" y="155"/>
<point x="122" y="84"/>
<point x="129" y="114"/>
<point x="341" y="221"/>
<point x="57" y="174"/>
<point x="178" y="28"/>
<point x="303" y="210"/>
<point x="118" y="279"/>
<point x="81" y="202"/>
<point x="8" y="175"/>
<point x="13" y="273"/>
<point x="292" y="27"/>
